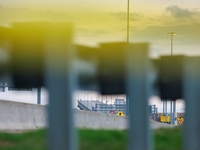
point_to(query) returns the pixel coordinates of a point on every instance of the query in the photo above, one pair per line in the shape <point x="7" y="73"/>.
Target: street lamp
<point x="171" y="33"/>
<point x="128" y="22"/>
<point x="174" y="110"/>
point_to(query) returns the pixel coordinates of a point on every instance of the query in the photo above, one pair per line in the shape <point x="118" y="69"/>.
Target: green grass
<point x="23" y="141"/>
<point x="169" y="139"/>
<point x="165" y="139"/>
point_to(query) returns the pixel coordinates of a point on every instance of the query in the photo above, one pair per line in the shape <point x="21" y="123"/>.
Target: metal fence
<point x="103" y="104"/>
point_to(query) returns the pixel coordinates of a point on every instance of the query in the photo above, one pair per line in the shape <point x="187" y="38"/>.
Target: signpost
<point x="168" y="118"/>
<point x="180" y="120"/>
<point x="120" y="113"/>
<point x="162" y="119"/>
<point x="112" y="112"/>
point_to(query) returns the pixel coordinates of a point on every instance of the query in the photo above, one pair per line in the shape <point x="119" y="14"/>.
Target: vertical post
<point x="166" y="107"/>
<point x="163" y="107"/>
<point x="171" y="112"/>
<point x="38" y="95"/>
<point x="60" y="83"/>
<point x="139" y="132"/>
<point x="171" y="33"/>
<point x="111" y="103"/>
<point x="191" y="92"/>
<point x="96" y="107"/>
<point x="174" y="111"/>
<point x="171" y="44"/>
<point x="154" y="113"/>
<point x="128" y="22"/>
<point x="87" y="99"/>
<point x="175" y="116"/>
<point x="127" y="105"/>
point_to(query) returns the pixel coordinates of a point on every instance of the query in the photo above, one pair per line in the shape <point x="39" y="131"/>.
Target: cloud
<point x="178" y="12"/>
<point x="86" y="32"/>
<point x="82" y="30"/>
<point x="122" y="16"/>
<point x="100" y="32"/>
<point x="186" y="34"/>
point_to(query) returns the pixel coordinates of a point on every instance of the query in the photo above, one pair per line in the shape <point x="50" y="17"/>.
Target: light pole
<point x="171" y="33"/>
<point x="128" y="22"/>
<point x="174" y="102"/>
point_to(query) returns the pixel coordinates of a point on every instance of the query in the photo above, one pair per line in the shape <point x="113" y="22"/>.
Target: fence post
<point x="60" y="83"/>
<point x="136" y="86"/>
<point x="191" y="93"/>
<point x="38" y="95"/>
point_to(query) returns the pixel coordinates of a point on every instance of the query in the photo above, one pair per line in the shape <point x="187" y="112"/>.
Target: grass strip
<point x="164" y="139"/>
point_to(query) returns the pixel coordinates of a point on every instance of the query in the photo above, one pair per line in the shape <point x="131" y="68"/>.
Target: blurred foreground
<point x="165" y="139"/>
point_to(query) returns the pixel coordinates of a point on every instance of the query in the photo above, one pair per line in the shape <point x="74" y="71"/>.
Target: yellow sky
<point x="105" y="20"/>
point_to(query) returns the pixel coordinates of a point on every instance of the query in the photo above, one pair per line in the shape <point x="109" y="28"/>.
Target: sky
<point x="105" y="21"/>
<point x="98" y="21"/>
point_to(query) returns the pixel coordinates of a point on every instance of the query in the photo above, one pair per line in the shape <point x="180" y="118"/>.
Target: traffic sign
<point x="112" y="112"/>
<point x="180" y="120"/>
<point x="120" y="113"/>
<point x="162" y="118"/>
<point x="168" y="118"/>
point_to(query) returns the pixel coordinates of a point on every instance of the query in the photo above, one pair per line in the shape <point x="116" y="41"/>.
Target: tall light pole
<point x="174" y="102"/>
<point x="171" y="33"/>
<point x="128" y="22"/>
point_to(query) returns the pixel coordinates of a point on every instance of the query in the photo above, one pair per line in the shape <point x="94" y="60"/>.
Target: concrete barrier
<point x="16" y="116"/>
<point x="93" y="120"/>
<point x="157" y="125"/>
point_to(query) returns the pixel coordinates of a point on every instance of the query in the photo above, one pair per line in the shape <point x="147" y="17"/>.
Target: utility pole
<point x="171" y="33"/>
<point x="128" y="22"/>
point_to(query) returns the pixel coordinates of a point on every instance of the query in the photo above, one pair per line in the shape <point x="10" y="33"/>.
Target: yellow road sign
<point x="120" y="113"/>
<point x="168" y="118"/>
<point x="180" y="120"/>
<point x="162" y="118"/>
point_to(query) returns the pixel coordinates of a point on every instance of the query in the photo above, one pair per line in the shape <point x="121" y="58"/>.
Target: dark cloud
<point x="122" y="16"/>
<point x="178" y="12"/>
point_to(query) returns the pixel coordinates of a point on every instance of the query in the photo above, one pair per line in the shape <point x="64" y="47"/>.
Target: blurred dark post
<point x="38" y="95"/>
<point x="163" y="107"/>
<point x="38" y="48"/>
<point x="136" y="86"/>
<point x="150" y="109"/>
<point x="124" y="70"/>
<point x="191" y="91"/>
<point x="171" y="112"/>
<point x="154" y="114"/>
<point x="27" y="54"/>
<point x="174" y="112"/>
<point x="171" y="78"/>
<point x="2" y="87"/>
<point x="127" y="105"/>
<point x="128" y="21"/>
<point x="60" y="83"/>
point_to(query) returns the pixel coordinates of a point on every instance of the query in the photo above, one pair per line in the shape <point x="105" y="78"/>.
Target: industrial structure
<point x="101" y="107"/>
